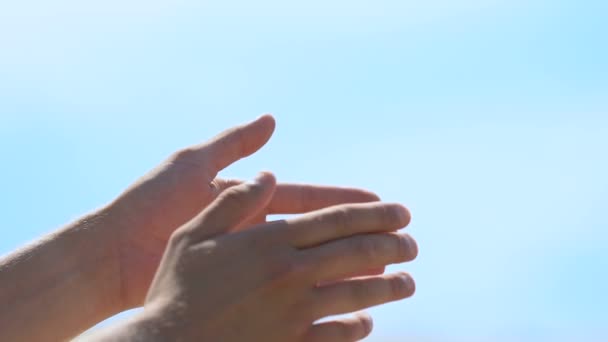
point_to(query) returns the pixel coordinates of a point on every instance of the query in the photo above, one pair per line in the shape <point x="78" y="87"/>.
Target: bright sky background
<point x="488" y="119"/>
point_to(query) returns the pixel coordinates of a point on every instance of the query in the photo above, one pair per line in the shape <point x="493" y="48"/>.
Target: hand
<point x="262" y="284"/>
<point x="170" y="195"/>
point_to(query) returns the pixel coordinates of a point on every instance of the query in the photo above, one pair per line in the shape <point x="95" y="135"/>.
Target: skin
<point x="216" y="283"/>
<point x="104" y="263"/>
<point x="186" y="183"/>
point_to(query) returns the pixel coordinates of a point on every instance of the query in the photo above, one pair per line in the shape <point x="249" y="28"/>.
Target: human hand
<point x="170" y="195"/>
<point x="262" y="284"/>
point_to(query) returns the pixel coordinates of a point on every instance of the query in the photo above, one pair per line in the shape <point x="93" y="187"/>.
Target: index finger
<point x="302" y="198"/>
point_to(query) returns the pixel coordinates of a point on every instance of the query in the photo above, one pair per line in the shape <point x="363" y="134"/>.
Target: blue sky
<point x="489" y="119"/>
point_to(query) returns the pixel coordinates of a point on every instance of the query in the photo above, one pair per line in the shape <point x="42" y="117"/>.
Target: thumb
<point x="234" y="144"/>
<point x="233" y="206"/>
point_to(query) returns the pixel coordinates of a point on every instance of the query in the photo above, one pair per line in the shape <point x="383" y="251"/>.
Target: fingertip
<point x="408" y="284"/>
<point x="403" y="213"/>
<point x="267" y="120"/>
<point x="376" y="271"/>
<point x="266" y="178"/>
<point x="266" y="116"/>
<point x="236" y="143"/>
<point x="370" y="196"/>
<point x="367" y="321"/>
<point x="412" y="247"/>
<point x="265" y="126"/>
<point x="262" y="182"/>
<point x="409" y="216"/>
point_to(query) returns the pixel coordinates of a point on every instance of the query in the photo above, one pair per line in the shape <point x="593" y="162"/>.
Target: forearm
<point x="60" y="285"/>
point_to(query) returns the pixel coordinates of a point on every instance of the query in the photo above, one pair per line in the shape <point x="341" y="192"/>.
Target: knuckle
<point x="342" y="219"/>
<point x="308" y="265"/>
<point x="304" y="312"/>
<point x="396" y="287"/>
<point x="184" y="156"/>
<point x="179" y="236"/>
<point x="361" y="293"/>
<point x="367" y="247"/>
<point x="390" y="215"/>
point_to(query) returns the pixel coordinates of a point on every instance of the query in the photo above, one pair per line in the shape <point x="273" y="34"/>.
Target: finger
<point x="340" y="258"/>
<point x="233" y="144"/>
<point x="361" y="293"/>
<point x="234" y="205"/>
<point x="345" y="220"/>
<point x="342" y="330"/>
<point x="302" y="198"/>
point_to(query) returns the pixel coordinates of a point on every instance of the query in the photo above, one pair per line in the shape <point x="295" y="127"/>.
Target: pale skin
<point x="210" y="230"/>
